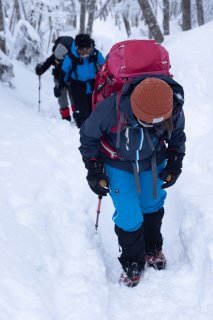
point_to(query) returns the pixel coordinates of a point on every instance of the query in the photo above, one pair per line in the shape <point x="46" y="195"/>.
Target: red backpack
<point x="126" y="61"/>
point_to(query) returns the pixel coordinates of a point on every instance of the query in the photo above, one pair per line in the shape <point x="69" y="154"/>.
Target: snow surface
<point x="53" y="266"/>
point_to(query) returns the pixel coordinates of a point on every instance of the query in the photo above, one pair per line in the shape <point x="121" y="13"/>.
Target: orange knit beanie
<point x="152" y="100"/>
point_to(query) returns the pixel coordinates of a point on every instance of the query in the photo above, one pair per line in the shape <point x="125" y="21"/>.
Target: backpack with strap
<point x="60" y="49"/>
<point x="66" y="41"/>
<point x="126" y="61"/>
<point x="93" y="58"/>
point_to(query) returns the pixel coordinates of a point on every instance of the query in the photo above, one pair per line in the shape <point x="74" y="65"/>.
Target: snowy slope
<point x="52" y="264"/>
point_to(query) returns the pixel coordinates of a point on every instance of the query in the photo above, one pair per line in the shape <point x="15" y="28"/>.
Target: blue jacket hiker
<point x="80" y="67"/>
<point x="136" y="147"/>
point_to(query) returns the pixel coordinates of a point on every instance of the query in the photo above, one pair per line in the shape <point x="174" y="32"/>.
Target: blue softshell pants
<point x="130" y="206"/>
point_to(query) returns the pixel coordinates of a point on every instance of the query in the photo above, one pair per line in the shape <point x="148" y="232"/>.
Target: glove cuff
<point x="174" y="163"/>
<point x="174" y="155"/>
<point x="93" y="163"/>
<point x="94" y="166"/>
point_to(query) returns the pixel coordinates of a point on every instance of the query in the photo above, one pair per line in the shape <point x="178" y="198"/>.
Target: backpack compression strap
<point x="153" y="163"/>
<point x="94" y="58"/>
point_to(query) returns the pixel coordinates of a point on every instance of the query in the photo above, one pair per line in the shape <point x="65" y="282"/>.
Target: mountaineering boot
<point x="132" y="258"/>
<point x="65" y="114"/>
<point x="154" y="240"/>
<point x="156" y="260"/>
<point x="131" y="274"/>
<point x="76" y="116"/>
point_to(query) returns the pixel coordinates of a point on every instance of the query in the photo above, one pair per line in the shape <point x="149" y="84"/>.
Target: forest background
<point x="28" y="28"/>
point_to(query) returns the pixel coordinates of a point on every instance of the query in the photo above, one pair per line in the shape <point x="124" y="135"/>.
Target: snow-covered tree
<point x="27" y="43"/>
<point x="2" y="29"/>
<point x="50" y="18"/>
<point x="6" y="69"/>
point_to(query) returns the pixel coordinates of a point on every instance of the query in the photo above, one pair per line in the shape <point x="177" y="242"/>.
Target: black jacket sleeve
<point x="48" y="63"/>
<point x="99" y="122"/>
<point x="178" y="137"/>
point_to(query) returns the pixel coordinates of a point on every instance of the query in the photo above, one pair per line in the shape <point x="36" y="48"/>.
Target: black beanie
<point x="83" y="41"/>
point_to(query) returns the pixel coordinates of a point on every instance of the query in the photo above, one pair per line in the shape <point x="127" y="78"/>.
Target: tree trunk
<point x="103" y="8"/>
<point x="127" y="25"/>
<point x="74" y="21"/>
<point x="2" y="30"/>
<point x="50" y="34"/>
<point x="166" y="17"/>
<point x="91" y="16"/>
<point x="151" y="20"/>
<point x="186" y="8"/>
<point x="18" y="12"/>
<point x="200" y="15"/>
<point x="82" y="16"/>
<point x="175" y="8"/>
<point x="71" y="15"/>
<point x="23" y="10"/>
<point x="39" y="22"/>
<point x="39" y="18"/>
<point x="11" y="25"/>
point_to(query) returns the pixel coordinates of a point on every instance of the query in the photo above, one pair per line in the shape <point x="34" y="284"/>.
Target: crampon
<point x="156" y="260"/>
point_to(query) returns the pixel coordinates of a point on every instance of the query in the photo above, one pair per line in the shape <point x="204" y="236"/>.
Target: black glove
<point x="97" y="179"/>
<point x="172" y="170"/>
<point x="39" y="70"/>
<point x="57" y="92"/>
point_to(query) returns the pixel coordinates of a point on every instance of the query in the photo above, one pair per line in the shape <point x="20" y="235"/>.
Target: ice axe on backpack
<point x="103" y="184"/>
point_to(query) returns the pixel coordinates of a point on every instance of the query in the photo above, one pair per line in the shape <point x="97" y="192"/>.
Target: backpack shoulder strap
<point x="120" y="117"/>
<point x="94" y="58"/>
<point x="78" y="61"/>
<point x="75" y="61"/>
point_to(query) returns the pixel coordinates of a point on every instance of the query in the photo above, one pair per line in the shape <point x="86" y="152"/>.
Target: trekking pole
<point x="98" y="212"/>
<point x="39" y="93"/>
<point x="103" y="184"/>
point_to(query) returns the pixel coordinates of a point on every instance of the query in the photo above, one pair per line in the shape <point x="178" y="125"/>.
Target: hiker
<point x="136" y="163"/>
<point x="80" y="67"/>
<point x="60" y="49"/>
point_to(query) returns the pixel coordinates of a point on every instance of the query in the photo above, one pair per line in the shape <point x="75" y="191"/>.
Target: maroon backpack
<point x="126" y="61"/>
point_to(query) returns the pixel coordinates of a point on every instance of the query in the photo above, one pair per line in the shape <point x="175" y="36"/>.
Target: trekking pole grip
<point x="103" y="184"/>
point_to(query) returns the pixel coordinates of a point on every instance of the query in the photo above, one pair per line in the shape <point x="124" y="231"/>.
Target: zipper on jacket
<point x="113" y="154"/>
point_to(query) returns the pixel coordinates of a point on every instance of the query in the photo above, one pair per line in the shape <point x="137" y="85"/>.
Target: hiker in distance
<point x="138" y="161"/>
<point x="60" y="49"/>
<point x="79" y="70"/>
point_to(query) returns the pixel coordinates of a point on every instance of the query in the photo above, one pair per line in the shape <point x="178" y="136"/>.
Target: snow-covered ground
<point x="53" y="266"/>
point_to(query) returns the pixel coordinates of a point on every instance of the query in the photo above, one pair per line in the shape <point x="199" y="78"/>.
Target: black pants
<point x="132" y="245"/>
<point x="82" y="102"/>
<point x="152" y="231"/>
<point x="146" y="239"/>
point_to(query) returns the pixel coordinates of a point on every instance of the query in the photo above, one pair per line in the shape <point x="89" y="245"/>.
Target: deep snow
<point x="52" y="264"/>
